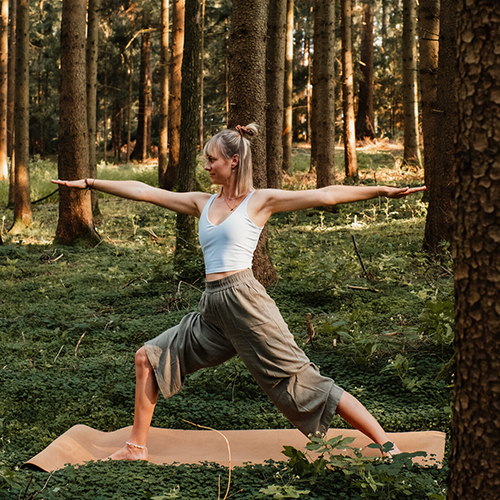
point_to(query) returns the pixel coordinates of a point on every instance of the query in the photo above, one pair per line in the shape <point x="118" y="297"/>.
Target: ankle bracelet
<point x="133" y="445"/>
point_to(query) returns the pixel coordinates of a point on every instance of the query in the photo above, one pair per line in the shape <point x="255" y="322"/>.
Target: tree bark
<point x="365" y="121"/>
<point x="411" y="152"/>
<point x="438" y="221"/>
<point x="475" y="457"/>
<point x="275" y="80"/>
<point x="323" y="100"/>
<point x="174" y="101"/>
<point x="4" y="84"/>
<point x="247" y="100"/>
<point x="92" y="56"/>
<point x="11" y="98"/>
<point x="22" y="203"/>
<point x="428" y="24"/>
<point x="350" y="158"/>
<point x="164" y="62"/>
<point x="75" y="225"/>
<point x="288" y="104"/>
<point x="130" y="82"/>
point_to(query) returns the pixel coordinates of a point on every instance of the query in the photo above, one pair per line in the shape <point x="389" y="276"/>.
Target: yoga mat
<point x="81" y="444"/>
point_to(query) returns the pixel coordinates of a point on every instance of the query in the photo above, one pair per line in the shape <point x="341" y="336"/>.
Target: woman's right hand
<point x="79" y="184"/>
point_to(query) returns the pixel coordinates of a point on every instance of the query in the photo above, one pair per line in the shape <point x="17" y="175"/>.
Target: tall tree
<point x="323" y="97"/>
<point x="4" y="84"/>
<point x="475" y="464"/>
<point x="11" y="69"/>
<point x="186" y="242"/>
<point x="350" y="158"/>
<point x="164" y="61"/>
<point x="92" y="55"/>
<point x="411" y="152"/>
<point x="439" y="212"/>
<point x="275" y="79"/>
<point x="22" y="204"/>
<point x="428" y="26"/>
<point x="288" y="97"/>
<point x="247" y="100"/>
<point x="75" y="225"/>
<point x="365" y="121"/>
<point x="174" y="100"/>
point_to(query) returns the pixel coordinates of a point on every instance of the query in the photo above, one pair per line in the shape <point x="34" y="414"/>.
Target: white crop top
<point x="230" y="245"/>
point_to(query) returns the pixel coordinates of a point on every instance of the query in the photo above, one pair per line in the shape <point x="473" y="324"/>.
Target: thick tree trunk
<point x="350" y="158"/>
<point x="247" y="100"/>
<point x="288" y="104"/>
<point x="92" y="55"/>
<point x="438" y="221"/>
<point x="130" y="84"/>
<point x="4" y="84"/>
<point x="11" y="98"/>
<point x="22" y="204"/>
<point x="475" y="457"/>
<point x="174" y="101"/>
<point x="275" y="78"/>
<point x="75" y="225"/>
<point x="186" y="238"/>
<point x="365" y="121"/>
<point x="323" y="101"/>
<point x="428" y="25"/>
<point x="410" y="88"/>
<point x="164" y="61"/>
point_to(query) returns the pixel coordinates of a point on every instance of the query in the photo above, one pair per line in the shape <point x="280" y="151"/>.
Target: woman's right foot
<point x="129" y="452"/>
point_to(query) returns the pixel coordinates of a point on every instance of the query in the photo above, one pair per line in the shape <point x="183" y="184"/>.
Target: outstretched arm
<point x="187" y="203"/>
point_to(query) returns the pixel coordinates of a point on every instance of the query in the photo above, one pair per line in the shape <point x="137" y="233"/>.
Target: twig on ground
<point x="45" y="197"/>
<point x="78" y="344"/>
<point x="228" y="452"/>
<point x="134" y="279"/>
<point x="58" y="353"/>
<point x="359" y="257"/>
<point x="188" y="284"/>
<point x="352" y="287"/>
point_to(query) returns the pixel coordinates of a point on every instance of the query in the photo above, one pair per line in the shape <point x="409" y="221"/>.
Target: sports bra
<point x="228" y="246"/>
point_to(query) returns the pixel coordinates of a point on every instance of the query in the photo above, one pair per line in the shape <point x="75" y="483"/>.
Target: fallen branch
<point x="78" y="343"/>
<point x="134" y="279"/>
<point x="228" y="452"/>
<point x="45" y="197"/>
<point x="374" y="290"/>
<point x="359" y="257"/>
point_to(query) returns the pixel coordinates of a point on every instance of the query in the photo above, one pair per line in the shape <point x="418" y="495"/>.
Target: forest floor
<point x="71" y="320"/>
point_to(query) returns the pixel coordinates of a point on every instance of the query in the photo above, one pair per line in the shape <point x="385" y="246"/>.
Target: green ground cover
<point x="71" y="320"/>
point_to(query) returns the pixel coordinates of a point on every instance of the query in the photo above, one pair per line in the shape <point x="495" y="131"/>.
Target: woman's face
<point x="220" y="168"/>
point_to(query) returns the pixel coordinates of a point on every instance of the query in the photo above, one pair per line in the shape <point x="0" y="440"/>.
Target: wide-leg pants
<point x="236" y="316"/>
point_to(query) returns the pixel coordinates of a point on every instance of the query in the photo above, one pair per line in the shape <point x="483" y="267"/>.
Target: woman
<point x="236" y="316"/>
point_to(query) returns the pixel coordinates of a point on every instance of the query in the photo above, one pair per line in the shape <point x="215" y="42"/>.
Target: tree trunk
<point x="92" y="56"/>
<point x="438" y="221"/>
<point x="75" y="225"/>
<point x="202" y="70"/>
<point x="350" y="158"/>
<point x="275" y="79"/>
<point x="365" y="121"/>
<point x="247" y="100"/>
<point x="288" y="104"/>
<point x="474" y="463"/>
<point x="410" y="88"/>
<point x="22" y="203"/>
<point x="130" y="83"/>
<point x="428" y="23"/>
<point x="186" y="238"/>
<point x="174" y="101"/>
<point x="4" y="84"/>
<point x="164" y="61"/>
<point x="323" y="101"/>
<point x="11" y="98"/>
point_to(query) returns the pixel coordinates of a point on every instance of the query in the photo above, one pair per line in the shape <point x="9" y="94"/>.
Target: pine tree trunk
<point x="428" y="23"/>
<point x="186" y="237"/>
<point x="130" y="84"/>
<point x="92" y="56"/>
<point x="475" y="463"/>
<point x="174" y="102"/>
<point x="275" y="79"/>
<point x="288" y="104"/>
<point x="75" y="225"/>
<point x="247" y="100"/>
<point x="323" y="101"/>
<point x="365" y="121"/>
<point x="410" y="89"/>
<point x="439" y="217"/>
<point x="4" y="84"/>
<point x="164" y="62"/>
<point x="350" y="158"/>
<point x="22" y="203"/>
<point x="11" y="98"/>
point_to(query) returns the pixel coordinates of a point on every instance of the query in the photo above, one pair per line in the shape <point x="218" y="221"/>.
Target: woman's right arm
<point x="191" y="203"/>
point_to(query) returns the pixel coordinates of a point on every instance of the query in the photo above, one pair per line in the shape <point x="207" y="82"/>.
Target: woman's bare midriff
<point x="219" y="276"/>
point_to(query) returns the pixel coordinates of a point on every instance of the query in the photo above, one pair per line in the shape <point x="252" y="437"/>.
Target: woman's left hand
<point x="391" y="192"/>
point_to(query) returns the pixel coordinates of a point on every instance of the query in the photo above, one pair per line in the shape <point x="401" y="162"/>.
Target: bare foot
<point x="394" y="451"/>
<point x="129" y="453"/>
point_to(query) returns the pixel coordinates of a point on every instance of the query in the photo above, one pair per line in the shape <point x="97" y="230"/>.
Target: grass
<point x="71" y="320"/>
